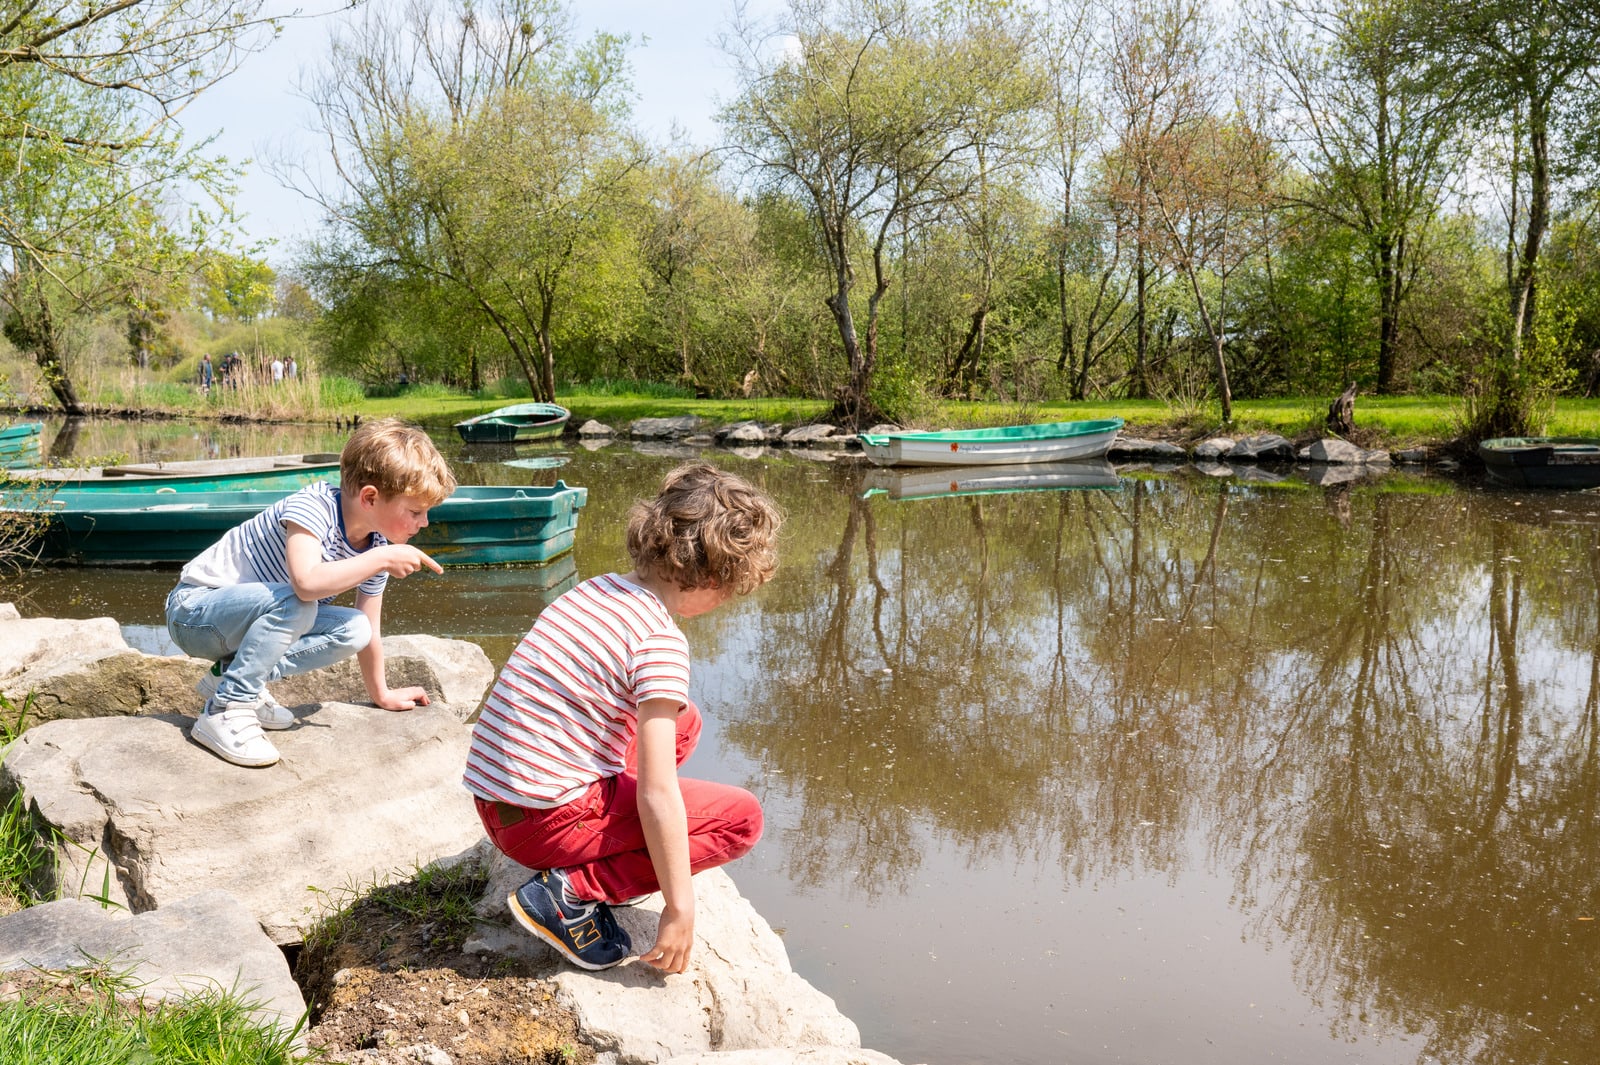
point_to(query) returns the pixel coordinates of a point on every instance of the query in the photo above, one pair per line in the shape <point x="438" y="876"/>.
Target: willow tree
<point x="481" y="154"/>
<point x="869" y="115"/>
<point x="88" y="96"/>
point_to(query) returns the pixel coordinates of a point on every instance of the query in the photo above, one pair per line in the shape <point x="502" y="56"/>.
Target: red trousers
<point x="598" y="837"/>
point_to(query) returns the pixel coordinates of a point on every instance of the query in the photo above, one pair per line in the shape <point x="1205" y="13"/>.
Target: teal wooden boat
<point x="19" y="444"/>
<point x="477" y="526"/>
<point x="271" y="472"/>
<point x="1006" y="445"/>
<point x="521" y="421"/>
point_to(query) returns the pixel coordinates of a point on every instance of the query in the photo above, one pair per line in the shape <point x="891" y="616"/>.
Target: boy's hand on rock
<point x="402" y="560"/>
<point x="674" y="941"/>
<point x="402" y="699"/>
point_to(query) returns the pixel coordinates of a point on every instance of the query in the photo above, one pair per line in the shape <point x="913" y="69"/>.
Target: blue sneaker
<point x="585" y="932"/>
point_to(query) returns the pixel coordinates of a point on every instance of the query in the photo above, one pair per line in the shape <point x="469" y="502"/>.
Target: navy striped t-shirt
<point x="256" y="551"/>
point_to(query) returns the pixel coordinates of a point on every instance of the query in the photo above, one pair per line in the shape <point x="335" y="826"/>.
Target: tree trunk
<point x="1139" y="386"/>
<point x="35" y="333"/>
<point x="1342" y="413"/>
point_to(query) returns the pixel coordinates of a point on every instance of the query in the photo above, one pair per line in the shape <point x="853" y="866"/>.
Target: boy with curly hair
<point x="259" y="602"/>
<point x="574" y="758"/>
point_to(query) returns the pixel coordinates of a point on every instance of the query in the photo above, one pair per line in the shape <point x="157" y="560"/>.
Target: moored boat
<point x="19" y="444"/>
<point x="1006" y="445"/>
<point x="270" y="472"/>
<point x="1543" y="461"/>
<point x="928" y="483"/>
<point x="521" y="421"/>
<point x="479" y="525"/>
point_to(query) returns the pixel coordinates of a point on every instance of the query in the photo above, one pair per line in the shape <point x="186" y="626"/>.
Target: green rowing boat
<point x="479" y="525"/>
<point x="271" y="472"/>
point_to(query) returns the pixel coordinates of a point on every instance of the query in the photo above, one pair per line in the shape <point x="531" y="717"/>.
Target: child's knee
<point x="298" y="615"/>
<point x="744" y="825"/>
<point x="358" y="632"/>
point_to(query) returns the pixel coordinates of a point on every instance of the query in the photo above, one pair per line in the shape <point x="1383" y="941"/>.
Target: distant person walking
<point x="277" y="370"/>
<point x="291" y="369"/>
<point x="206" y="372"/>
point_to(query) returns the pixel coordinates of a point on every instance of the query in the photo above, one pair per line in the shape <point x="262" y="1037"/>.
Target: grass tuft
<point x="96" y="1017"/>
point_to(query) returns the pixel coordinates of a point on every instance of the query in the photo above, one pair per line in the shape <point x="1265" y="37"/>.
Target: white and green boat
<point x="1006" y="445"/>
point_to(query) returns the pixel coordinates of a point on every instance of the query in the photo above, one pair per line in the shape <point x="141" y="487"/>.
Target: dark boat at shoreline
<point x="1543" y="461"/>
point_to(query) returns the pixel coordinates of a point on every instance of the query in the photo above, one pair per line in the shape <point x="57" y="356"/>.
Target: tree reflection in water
<point x="1367" y="714"/>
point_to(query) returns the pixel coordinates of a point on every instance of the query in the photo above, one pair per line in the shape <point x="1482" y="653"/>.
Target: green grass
<point x="92" y="1020"/>
<point x="21" y="856"/>
<point x="440" y="895"/>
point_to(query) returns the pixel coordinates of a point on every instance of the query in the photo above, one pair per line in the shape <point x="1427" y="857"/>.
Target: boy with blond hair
<point x="574" y="758"/>
<point x="259" y="602"/>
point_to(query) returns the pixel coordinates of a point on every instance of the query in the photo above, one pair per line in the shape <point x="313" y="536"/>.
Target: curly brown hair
<point x="706" y="528"/>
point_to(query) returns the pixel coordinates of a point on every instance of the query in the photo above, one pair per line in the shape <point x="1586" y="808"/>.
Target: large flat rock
<point x="739" y="993"/>
<point x="361" y="797"/>
<point x="196" y="945"/>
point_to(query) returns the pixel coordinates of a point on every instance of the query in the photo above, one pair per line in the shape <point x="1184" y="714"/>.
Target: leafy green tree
<point x="870" y="120"/>
<point x="88" y="94"/>
<point x="1525" y="70"/>
<point x="1369" y="131"/>
<point x="236" y="286"/>
<point x="482" y="155"/>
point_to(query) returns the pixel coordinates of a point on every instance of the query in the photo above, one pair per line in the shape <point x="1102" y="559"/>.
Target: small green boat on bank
<point x="479" y="525"/>
<point x="269" y="472"/>
<point x="516" y="423"/>
<point x="1003" y="446"/>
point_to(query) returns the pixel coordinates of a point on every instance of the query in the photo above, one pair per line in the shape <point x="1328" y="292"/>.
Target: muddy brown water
<point x="1188" y="771"/>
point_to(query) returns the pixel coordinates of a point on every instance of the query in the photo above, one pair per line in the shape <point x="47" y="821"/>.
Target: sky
<point x="257" y="113"/>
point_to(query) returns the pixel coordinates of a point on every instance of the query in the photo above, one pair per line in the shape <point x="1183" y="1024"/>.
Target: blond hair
<point x="704" y="529"/>
<point x="397" y="459"/>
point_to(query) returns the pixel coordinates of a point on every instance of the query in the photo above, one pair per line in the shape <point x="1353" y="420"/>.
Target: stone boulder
<point x="361" y="797"/>
<point x="816" y="436"/>
<point x="78" y="669"/>
<point x="455" y="673"/>
<point x="1213" y="450"/>
<point x="1334" y="451"/>
<point x="592" y="428"/>
<point x="195" y="945"/>
<point x="739" y="994"/>
<point x="1263" y="447"/>
<point x="52" y="659"/>
<point x="1133" y="447"/>
<point x="71" y="683"/>
<point x="663" y="428"/>
<point x="746" y="432"/>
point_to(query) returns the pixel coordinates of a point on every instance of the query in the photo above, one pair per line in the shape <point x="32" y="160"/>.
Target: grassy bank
<point x="1390" y="421"/>
<point x="1393" y="421"/>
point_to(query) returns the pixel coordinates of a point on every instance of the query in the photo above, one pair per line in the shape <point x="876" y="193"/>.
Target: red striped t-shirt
<point x="566" y="705"/>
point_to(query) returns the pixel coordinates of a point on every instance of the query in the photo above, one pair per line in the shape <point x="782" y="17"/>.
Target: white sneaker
<point x="233" y="734"/>
<point x="271" y="713"/>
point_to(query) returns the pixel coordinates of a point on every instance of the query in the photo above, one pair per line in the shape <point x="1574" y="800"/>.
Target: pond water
<point x="1190" y="771"/>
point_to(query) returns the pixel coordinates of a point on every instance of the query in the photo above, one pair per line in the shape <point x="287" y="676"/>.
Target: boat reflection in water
<point x="928" y="483"/>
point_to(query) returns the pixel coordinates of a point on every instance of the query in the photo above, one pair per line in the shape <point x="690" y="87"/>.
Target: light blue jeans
<point x="269" y="631"/>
